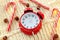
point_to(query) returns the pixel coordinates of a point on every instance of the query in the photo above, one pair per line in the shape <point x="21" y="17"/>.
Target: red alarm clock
<point x="31" y="22"/>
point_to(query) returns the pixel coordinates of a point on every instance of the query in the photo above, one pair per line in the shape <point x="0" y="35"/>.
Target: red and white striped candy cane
<point x="23" y="2"/>
<point x="12" y="17"/>
<point x="40" y="4"/>
<point x="55" y="25"/>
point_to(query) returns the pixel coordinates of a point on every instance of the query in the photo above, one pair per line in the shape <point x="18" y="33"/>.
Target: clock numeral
<point x="22" y="22"/>
<point x="32" y="15"/>
<point x="27" y="26"/>
<point x="35" y="17"/>
<point x="36" y="20"/>
<point x="36" y="24"/>
<point x="25" y="16"/>
<point x="31" y="27"/>
<point x="23" y="19"/>
<point x="29" y="15"/>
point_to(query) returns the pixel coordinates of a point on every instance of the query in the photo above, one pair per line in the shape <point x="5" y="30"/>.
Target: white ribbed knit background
<point x="16" y="34"/>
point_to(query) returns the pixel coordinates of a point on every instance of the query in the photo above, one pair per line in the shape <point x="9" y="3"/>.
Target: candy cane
<point x="12" y="17"/>
<point x="40" y="5"/>
<point x="23" y="2"/>
<point x="55" y="25"/>
<point x="54" y="12"/>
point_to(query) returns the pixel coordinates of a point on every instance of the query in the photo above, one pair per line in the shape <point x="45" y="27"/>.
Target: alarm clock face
<point x="30" y="20"/>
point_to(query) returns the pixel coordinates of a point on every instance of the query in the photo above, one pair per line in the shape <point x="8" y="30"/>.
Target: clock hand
<point x="12" y="17"/>
<point x="40" y="5"/>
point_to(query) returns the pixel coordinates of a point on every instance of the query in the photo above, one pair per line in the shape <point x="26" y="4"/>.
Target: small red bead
<point x="6" y="20"/>
<point x="17" y="18"/>
<point x="38" y="8"/>
<point x="55" y="36"/>
<point x="27" y="5"/>
<point x="5" y="38"/>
